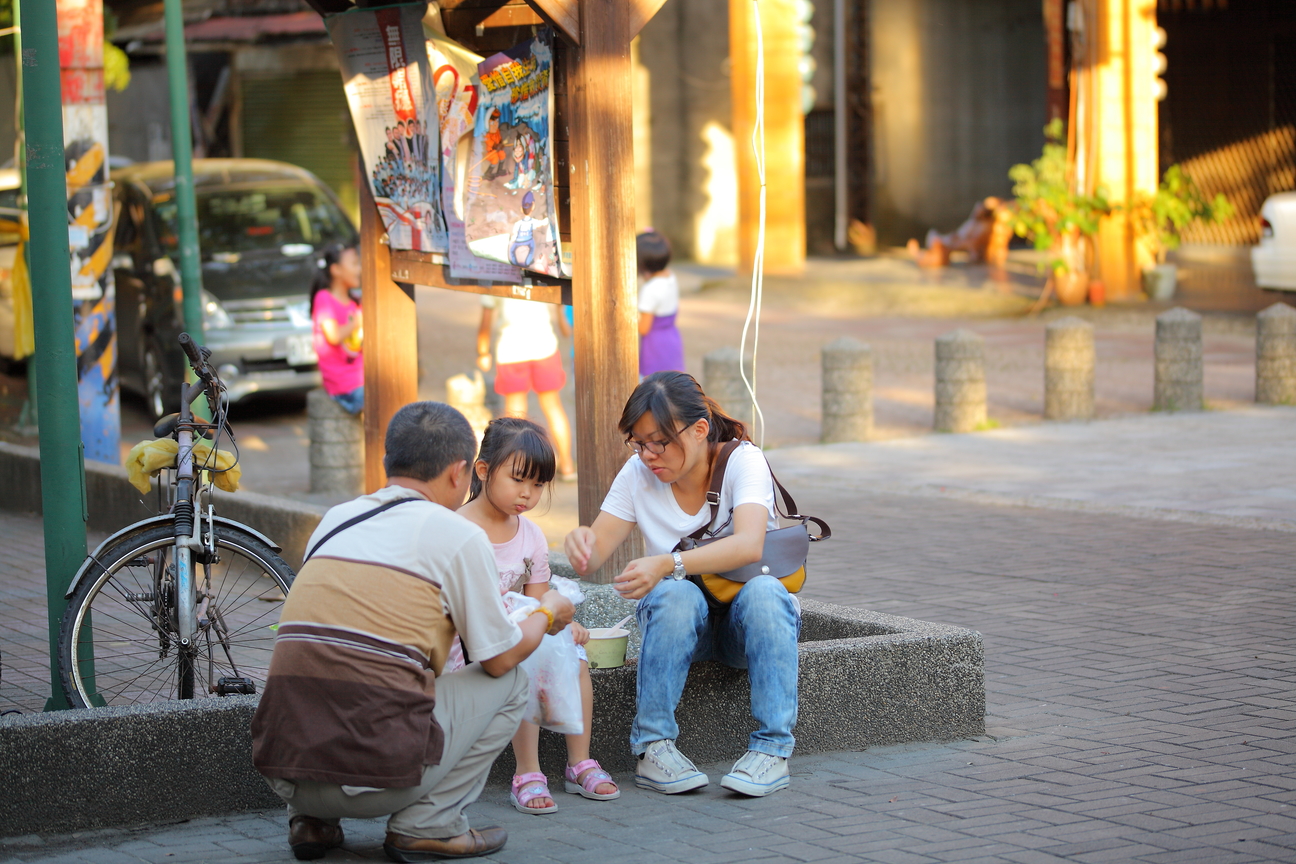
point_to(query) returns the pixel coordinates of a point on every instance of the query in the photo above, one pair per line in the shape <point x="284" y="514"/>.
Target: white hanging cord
<point x="758" y="260"/>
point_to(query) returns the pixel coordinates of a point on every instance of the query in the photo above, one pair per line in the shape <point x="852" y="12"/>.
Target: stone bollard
<point x="1178" y="361"/>
<point x="960" y="382"/>
<point x="723" y="382"/>
<point x="336" y="448"/>
<point x="1069" y="370"/>
<point x="847" y="391"/>
<point x="1276" y="355"/>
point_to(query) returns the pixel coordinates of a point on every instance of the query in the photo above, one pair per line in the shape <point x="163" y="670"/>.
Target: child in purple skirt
<point x="660" y="346"/>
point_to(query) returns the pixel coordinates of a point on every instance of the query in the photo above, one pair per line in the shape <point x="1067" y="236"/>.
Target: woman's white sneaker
<point x="757" y="774"/>
<point x="662" y="768"/>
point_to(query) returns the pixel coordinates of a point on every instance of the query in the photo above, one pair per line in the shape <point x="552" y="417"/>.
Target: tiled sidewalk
<point x="24" y="627"/>
<point x="1139" y="676"/>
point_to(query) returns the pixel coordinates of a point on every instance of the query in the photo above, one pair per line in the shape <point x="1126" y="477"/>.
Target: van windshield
<point x="252" y="220"/>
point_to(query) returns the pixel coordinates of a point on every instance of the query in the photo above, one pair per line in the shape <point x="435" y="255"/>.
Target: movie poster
<point x="454" y="74"/>
<point x="387" y="80"/>
<point x="509" y="210"/>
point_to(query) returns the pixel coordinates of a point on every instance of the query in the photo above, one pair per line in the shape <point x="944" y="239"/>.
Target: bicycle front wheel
<point x="120" y="645"/>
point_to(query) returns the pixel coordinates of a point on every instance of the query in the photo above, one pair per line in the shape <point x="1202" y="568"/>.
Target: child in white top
<point x="660" y="347"/>
<point x="515" y="464"/>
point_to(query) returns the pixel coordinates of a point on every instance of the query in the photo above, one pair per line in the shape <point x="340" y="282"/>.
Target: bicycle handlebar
<point x="192" y="351"/>
<point x="198" y="356"/>
<point x="208" y="381"/>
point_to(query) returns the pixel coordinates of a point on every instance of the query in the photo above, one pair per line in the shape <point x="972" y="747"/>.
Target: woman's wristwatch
<point x="678" y="573"/>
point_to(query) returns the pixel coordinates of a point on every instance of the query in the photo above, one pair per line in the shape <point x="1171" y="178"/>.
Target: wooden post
<point x="390" y="338"/>
<point x="785" y="240"/>
<point x="603" y="256"/>
<point x="1123" y="134"/>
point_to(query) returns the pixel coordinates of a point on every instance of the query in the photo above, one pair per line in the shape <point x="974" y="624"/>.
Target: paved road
<point x="1234" y="467"/>
<point x="1139" y="676"/>
<point x="885" y="302"/>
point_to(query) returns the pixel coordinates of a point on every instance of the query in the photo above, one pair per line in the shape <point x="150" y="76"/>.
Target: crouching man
<point x="356" y="719"/>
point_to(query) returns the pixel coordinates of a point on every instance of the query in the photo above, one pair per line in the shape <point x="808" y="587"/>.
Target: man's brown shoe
<point x="401" y="848"/>
<point x="311" y="838"/>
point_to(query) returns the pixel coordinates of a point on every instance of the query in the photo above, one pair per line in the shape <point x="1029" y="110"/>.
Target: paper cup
<point x="606" y="648"/>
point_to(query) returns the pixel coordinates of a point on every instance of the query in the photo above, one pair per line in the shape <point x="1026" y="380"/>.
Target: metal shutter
<point x="302" y="118"/>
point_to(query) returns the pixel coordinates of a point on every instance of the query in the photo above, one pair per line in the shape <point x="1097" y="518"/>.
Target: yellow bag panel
<point x="725" y="590"/>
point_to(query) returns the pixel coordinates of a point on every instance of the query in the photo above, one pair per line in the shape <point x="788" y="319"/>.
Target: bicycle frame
<point x="202" y="578"/>
<point x="188" y="523"/>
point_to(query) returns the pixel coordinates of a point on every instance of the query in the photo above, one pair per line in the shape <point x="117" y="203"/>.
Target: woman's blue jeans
<point x="757" y="633"/>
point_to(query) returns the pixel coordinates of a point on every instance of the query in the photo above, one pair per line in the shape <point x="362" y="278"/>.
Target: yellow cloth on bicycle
<point x="147" y="458"/>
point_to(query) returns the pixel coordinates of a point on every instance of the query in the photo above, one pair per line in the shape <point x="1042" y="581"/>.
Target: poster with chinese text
<point x="509" y="213"/>
<point x="454" y="74"/>
<point x="385" y="73"/>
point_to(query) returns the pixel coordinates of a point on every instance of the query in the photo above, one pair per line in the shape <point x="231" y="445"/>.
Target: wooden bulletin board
<point x="594" y="191"/>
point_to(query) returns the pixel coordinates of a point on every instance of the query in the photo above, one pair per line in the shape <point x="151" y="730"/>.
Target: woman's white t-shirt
<point x="660" y="295"/>
<point x="638" y="496"/>
<point x="526" y="329"/>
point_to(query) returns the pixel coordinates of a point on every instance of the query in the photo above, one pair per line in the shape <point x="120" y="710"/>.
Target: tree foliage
<point x="1178" y="202"/>
<point x="1048" y="207"/>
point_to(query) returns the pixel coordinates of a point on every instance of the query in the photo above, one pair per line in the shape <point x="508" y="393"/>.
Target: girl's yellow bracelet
<point x="547" y="614"/>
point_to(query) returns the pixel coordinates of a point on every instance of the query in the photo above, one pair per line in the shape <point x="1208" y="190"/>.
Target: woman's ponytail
<point x="723" y="427"/>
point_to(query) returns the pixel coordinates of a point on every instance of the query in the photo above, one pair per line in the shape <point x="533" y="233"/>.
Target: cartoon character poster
<point x="393" y="105"/>
<point x="454" y="74"/>
<point x="90" y="221"/>
<point x="509" y="210"/>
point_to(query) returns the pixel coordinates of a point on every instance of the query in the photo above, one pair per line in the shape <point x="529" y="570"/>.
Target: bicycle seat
<point x="166" y="427"/>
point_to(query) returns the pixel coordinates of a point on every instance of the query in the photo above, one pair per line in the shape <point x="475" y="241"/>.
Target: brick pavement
<point x="1139" y="678"/>
<point x="24" y="628"/>
<point x="273" y="431"/>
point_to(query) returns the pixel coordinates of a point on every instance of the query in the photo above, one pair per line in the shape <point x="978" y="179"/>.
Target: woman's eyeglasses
<point x="654" y="447"/>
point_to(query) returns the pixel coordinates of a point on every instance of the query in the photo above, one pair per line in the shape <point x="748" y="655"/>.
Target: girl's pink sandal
<point x="527" y="788"/>
<point x="594" y="779"/>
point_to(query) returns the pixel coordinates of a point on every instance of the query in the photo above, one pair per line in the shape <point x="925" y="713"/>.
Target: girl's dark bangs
<point x="536" y="459"/>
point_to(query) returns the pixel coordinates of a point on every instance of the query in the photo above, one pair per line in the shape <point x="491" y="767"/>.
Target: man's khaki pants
<point x="479" y="715"/>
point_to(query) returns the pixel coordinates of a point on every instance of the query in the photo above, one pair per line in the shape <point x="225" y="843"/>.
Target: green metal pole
<point x="182" y="153"/>
<point x="61" y="465"/>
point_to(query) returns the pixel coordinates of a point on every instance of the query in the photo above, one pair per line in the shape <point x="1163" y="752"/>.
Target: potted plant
<point x="1055" y="217"/>
<point x="1158" y="220"/>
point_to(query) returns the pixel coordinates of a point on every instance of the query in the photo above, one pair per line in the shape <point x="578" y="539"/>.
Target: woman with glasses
<point x="675" y="432"/>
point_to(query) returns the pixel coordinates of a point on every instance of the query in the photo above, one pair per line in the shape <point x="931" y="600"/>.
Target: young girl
<point x="515" y="463"/>
<point x="660" y="346"/>
<point x="338" y="330"/>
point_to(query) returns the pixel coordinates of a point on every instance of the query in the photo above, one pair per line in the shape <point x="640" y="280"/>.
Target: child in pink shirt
<point x="338" y="328"/>
<point x="514" y="466"/>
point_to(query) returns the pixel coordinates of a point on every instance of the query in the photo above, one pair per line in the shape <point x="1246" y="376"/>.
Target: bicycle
<point x="183" y="604"/>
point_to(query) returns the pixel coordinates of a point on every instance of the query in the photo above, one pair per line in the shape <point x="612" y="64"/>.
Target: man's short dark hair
<point x="426" y="438"/>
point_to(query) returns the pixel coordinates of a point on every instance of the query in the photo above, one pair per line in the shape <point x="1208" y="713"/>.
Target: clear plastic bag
<point x="569" y="588"/>
<point x="554" y="672"/>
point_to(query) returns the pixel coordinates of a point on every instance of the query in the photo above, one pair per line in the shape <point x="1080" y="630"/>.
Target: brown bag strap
<point x="717" y="483"/>
<point x="789" y="510"/>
